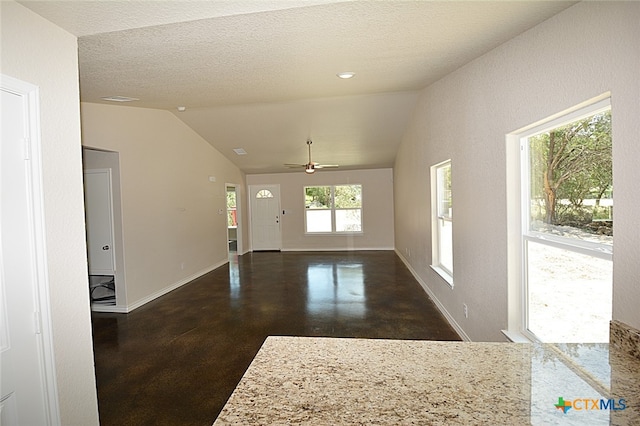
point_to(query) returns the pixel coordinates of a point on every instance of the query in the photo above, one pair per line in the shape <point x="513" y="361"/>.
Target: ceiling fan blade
<point x="312" y="165"/>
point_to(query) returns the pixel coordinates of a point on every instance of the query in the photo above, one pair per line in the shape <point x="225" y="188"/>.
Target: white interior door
<point x="99" y="218"/>
<point x="265" y="217"/>
<point x="23" y="391"/>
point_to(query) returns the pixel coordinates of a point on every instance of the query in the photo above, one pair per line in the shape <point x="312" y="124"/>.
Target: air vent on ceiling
<point x="240" y="151"/>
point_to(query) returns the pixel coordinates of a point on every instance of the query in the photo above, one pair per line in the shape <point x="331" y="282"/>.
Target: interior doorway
<point x="105" y="242"/>
<point x="234" y="228"/>
<point x="99" y="227"/>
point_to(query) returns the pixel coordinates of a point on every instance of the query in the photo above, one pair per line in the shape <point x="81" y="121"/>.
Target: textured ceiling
<point x="86" y="17"/>
<point x="261" y="75"/>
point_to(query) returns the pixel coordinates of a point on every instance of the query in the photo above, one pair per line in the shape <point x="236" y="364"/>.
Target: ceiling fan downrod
<point x="310" y="167"/>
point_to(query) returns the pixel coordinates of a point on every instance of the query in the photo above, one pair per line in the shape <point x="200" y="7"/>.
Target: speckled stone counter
<point x="328" y="381"/>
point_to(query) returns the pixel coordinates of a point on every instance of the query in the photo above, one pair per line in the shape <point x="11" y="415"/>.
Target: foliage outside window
<point x="442" y="220"/>
<point x="333" y="209"/>
<point x="571" y="182"/>
<point x="231" y="209"/>
<point x="568" y="227"/>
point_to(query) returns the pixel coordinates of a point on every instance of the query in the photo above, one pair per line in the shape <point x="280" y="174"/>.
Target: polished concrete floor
<point x="176" y="360"/>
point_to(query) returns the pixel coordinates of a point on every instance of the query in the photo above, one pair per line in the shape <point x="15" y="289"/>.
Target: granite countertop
<point x="337" y="381"/>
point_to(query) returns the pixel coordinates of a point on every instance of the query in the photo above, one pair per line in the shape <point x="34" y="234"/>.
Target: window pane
<point x="264" y="193"/>
<point x="349" y="220"/>
<point x="569" y="295"/>
<point x="444" y="191"/>
<point x="317" y="197"/>
<point x="348" y="196"/>
<point x="333" y="208"/>
<point x="571" y="180"/>
<point x="318" y="220"/>
<point x="232" y="219"/>
<point x="442" y="219"/>
<point x="445" y="232"/>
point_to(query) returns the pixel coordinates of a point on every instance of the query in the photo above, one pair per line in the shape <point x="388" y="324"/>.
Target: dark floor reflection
<point x="234" y="279"/>
<point x="176" y="360"/>
<point x="335" y="289"/>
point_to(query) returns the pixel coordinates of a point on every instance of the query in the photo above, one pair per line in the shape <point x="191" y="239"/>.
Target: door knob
<point x="105" y="247"/>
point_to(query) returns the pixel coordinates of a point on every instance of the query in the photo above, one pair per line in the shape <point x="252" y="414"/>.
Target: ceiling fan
<point x="311" y="166"/>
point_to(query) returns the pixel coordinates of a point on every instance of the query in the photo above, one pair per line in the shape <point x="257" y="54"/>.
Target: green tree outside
<point x="571" y="164"/>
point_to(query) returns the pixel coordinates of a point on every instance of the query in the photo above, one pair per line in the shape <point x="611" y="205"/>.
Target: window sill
<point x="444" y="275"/>
<point x="516" y="337"/>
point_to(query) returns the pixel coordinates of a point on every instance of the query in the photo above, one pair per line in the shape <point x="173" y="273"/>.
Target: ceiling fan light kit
<point x="346" y="74"/>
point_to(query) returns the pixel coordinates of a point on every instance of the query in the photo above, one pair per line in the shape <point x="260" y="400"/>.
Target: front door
<point x="265" y="217"/>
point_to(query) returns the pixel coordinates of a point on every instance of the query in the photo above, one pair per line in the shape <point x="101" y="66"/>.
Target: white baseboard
<point x="172" y="287"/>
<point x="433" y="297"/>
<point x="109" y="308"/>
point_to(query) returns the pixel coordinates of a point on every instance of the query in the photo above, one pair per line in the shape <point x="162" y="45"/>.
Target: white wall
<point x="38" y="52"/>
<point x="585" y="51"/>
<point x="171" y="226"/>
<point x="377" y="208"/>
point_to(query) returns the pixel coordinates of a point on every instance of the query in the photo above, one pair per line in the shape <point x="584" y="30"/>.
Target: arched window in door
<point x="264" y="193"/>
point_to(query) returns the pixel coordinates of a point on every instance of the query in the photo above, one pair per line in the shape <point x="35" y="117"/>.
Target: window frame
<point x="519" y="216"/>
<point x="332" y="208"/>
<point x="436" y="217"/>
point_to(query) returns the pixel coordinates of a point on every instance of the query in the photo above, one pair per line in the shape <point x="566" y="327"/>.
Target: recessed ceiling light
<point x="346" y="74"/>
<point x="240" y="151"/>
<point x="182" y="109"/>
<point x="119" y="99"/>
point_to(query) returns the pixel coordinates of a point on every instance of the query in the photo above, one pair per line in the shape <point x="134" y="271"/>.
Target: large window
<point x="442" y="221"/>
<point x="333" y="209"/>
<point x="567" y="227"/>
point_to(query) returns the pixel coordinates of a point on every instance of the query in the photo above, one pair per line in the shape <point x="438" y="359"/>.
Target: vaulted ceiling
<point x="261" y="74"/>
